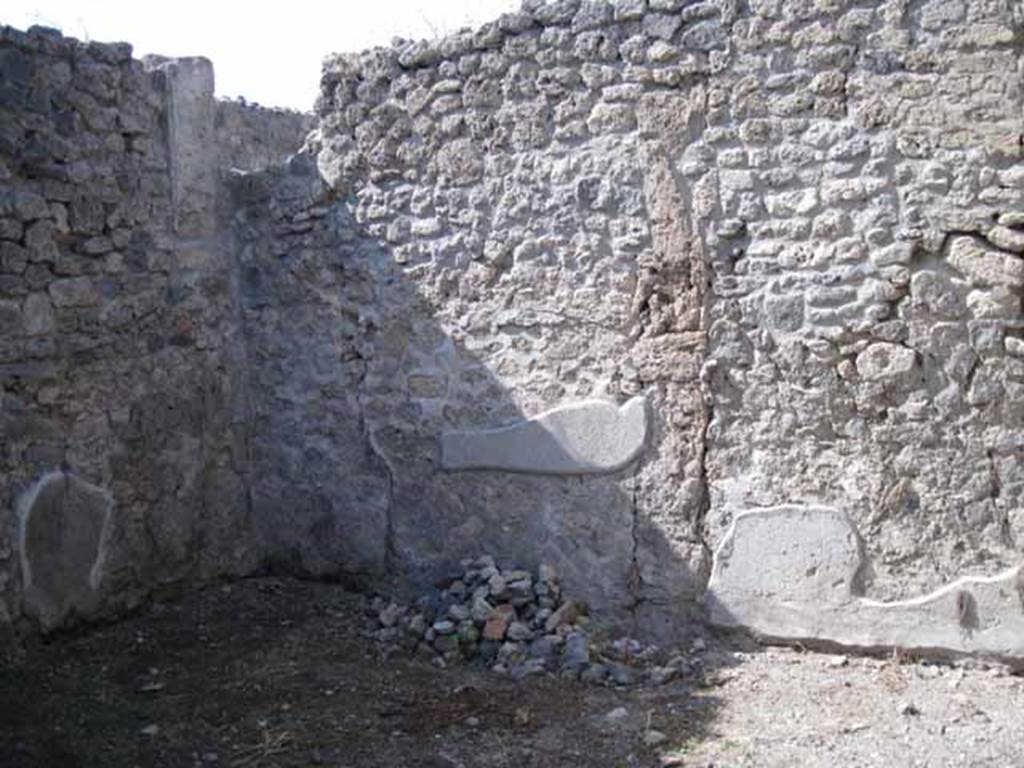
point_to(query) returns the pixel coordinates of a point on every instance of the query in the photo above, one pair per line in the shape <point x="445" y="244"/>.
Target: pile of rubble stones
<point x="519" y="624"/>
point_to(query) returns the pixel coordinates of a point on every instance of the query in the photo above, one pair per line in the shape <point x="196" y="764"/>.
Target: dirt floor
<point x="271" y="672"/>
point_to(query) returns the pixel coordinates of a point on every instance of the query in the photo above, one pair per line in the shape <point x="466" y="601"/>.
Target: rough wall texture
<point x="319" y="492"/>
<point x="249" y="137"/>
<point x="117" y="326"/>
<point x="780" y="220"/>
<point x="865" y="327"/>
<point x="793" y="227"/>
<point x="535" y="248"/>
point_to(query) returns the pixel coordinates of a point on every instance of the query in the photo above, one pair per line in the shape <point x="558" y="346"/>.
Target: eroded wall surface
<point x="864" y="338"/>
<point x="533" y="245"/>
<point x="791" y="224"/>
<point x="793" y="228"/>
<point x="119" y="363"/>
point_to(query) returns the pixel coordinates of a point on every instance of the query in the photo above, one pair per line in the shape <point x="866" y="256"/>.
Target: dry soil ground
<point x="270" y="672"/>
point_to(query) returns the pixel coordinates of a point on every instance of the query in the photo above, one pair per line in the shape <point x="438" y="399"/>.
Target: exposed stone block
<point x="1006" y="239"/>
<point x="1013" y="220"/>
<point x="616" y="118"/>
<point x="74" y="292"/>
<point x="885" y="361"/>
<point x="38" y="315"/>
<point x="984" y="265"/>
<point x="10" y="318"/>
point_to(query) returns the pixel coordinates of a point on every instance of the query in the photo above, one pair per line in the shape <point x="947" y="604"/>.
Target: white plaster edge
<point x="964" y="582"/>
<point x="24" y="505"/>
<point x="623" y="411"/>
<point x="864" y="623"/>
<point x="96" y="572"/>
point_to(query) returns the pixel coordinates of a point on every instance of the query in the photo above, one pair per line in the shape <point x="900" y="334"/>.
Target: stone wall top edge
<point x="47" y="41"/>
<point x="575" y="16"/>
<point x="580" y="16"/>
<point x="225" y="102"/>
<point x="54" y="43"/>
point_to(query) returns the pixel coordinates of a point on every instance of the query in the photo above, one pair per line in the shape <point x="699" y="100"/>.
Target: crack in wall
<point x="656" y="113"/>
<point x="669" y="302"/>
<point x="635" y="581"/>
<point x="390" y="553"/>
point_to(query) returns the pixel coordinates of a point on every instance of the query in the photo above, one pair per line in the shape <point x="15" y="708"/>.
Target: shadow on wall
<point x="118" y="470"/>
<point x="303" y="388"/>
<point x="353" y="382"/>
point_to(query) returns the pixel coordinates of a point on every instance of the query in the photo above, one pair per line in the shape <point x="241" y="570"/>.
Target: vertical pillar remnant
<point x="191" y="145"/>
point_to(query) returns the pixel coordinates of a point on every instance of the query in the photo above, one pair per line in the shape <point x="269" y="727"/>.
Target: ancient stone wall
<point x="122" y="437"/>
<point x="863" y="161"/>
<point x="250" y="137"/>
<point x="515" y="193"/>
<point x="789" y="224"/>
<point x="777" y="244"/>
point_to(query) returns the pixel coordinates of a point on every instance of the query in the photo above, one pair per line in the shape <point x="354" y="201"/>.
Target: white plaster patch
<point x="585" y="438"/>
<point x="69" y="573"/>
<point x="794" y="573"/>
<point x="23" y="507"/>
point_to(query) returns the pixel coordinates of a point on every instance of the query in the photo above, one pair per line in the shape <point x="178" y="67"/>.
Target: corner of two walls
<point x="785" y="223"/>
<point x="511" y="236"/>
<point x="123" y="415"/>
<point x="274" y="354"/>
<point x="781" y="223"/>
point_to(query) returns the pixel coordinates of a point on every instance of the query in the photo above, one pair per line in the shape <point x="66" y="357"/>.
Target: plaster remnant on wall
<point x="65" y="525"/>
<point x="797" y="573"/>
<point x="120" y="356"/>
<point x="189" y="83"/>
<point x="584" y="438"/>
<point x="795" y="229"/>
